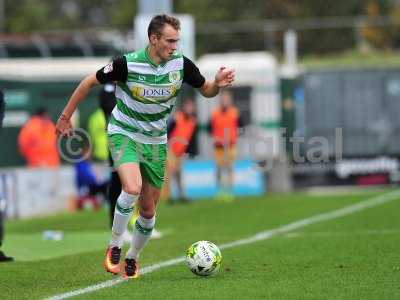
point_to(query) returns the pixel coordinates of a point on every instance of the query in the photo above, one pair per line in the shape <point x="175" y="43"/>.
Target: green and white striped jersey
<point x="146" y="93"/>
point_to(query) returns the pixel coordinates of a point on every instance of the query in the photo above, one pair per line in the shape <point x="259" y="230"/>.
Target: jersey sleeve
<point x="117" y="70"/>
<point x="191" y="74"/>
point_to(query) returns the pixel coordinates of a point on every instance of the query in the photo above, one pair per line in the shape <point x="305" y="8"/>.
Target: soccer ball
<point x="203" y="258"/>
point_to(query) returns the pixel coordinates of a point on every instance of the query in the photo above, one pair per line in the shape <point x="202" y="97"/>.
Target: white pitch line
<point x="375" y="201"/>
<point x="329" y="234"/>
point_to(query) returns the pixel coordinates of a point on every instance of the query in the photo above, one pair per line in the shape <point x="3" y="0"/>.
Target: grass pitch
<point x="351" y="257"/>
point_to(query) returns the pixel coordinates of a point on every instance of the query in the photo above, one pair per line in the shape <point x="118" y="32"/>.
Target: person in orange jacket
<point x="181" y="133"/>
<point x="224" y="125"/>
<point x="37" y="141"/>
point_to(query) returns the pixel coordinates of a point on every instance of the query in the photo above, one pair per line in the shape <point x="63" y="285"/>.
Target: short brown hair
<point x="157" y="24"/>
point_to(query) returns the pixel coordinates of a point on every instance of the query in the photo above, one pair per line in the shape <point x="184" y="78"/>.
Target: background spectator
<point x="181" y="133"/>
<point x="37" y="141"/>
<point x="224" y="125"/>
<point x="97" y="123"/>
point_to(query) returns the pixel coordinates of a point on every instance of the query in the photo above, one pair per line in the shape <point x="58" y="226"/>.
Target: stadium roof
<point x="238" y="60"/>
<point x="47" y="69"/>
<point x="250" y="67"/>
<point x="67" y="69"/>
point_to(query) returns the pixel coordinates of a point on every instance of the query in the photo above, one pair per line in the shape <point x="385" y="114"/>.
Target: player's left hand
<point x="224" y="77"/>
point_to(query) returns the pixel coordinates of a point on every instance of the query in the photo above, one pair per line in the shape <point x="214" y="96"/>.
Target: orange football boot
<point x="111" y="261"/>
<point x="131" y="269"/>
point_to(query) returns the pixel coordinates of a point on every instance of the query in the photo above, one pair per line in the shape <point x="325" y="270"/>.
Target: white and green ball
<point x="203" y="258"/>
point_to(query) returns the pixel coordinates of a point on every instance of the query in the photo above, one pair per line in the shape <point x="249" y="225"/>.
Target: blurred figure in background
<point x="224" y="125"/>
<point x="107" y="103"/>
<point x="37" y="142"/>
<point x="3" y="257"/>
<point x="181" y="134"/>
<point x="97" y="124"/>
<point x="87" y="183"/>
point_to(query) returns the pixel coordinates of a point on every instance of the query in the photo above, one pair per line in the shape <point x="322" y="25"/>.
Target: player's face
<point x="167" y="43"/>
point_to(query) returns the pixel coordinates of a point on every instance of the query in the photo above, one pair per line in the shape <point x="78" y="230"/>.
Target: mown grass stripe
<point x="347" y="210"/>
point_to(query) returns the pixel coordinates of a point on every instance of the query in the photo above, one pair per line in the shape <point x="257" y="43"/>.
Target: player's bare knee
<point x="147" y="210"/>
<point x="132" y="189"/>
<point x="147" y="214"/>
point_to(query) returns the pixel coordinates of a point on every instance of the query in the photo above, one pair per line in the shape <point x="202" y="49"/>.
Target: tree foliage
<point x="45" y="15"/>
<point x="33" y="15"/>
<point x="25" y="16"/>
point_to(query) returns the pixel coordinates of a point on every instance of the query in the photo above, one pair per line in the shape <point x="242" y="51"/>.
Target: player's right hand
<point x="64" y="126"/>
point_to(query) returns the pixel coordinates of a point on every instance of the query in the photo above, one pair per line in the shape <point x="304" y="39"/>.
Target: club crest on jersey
<point x="108" y="68"/>
<point x="174" y="76"/>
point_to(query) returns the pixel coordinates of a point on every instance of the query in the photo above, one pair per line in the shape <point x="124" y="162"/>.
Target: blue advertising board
<point x="199" y="179"/>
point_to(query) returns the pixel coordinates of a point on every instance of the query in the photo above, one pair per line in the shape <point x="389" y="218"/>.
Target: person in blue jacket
<point x="85" y="178"/>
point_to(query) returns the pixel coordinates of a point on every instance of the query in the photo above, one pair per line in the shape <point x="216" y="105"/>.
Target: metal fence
<point x="315" y="35"/>
<point x="363" y="103"/>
